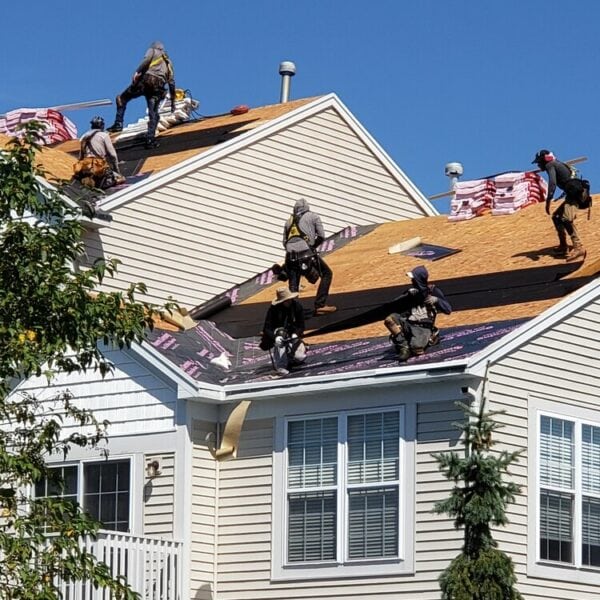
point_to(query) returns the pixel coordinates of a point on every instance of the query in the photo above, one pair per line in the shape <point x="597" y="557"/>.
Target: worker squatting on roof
<point x="302" y="235"/>
<point x="412" y="328"/>
<point x="283" y="331"/>
<point x="98" y="165"/>
<point x="577" y="196"/>
<point x="154" y="74"/>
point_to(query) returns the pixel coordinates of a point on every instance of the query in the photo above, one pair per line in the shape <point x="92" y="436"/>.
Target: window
<point x="341" y="505"/>
<point x="569" y="497"/>
<point x="102" y="489"/>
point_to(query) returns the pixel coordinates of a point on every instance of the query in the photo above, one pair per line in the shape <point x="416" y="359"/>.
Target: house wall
<point x="220" y="225"/>
<point x="204" y="510"/>
<point x="245" y="502"/>
<point x="560" y="368"/>
<point x="131" y="398"/>
<point x="159" y="496"/>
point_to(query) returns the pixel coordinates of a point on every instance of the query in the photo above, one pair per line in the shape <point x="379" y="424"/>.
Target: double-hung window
<point x="101" y="488"/>
<point x="569" y="492"/>
<point x="341" y="507"/>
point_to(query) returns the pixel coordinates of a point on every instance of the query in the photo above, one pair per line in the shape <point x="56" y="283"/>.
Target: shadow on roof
<point x="362" y="307"/>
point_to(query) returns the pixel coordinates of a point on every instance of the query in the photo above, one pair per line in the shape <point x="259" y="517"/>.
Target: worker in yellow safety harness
<point x="150" y="79"/>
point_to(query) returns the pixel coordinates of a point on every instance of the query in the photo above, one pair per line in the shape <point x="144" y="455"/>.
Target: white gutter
<point x="343" y="381"/>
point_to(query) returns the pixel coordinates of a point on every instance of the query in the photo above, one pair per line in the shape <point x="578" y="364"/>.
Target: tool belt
<point x="305" y="262"/>
<point x="91" y="171"/>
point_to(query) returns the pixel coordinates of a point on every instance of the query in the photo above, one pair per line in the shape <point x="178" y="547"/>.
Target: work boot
<point x="434" y="340"/>
<point x="325" y="310"/>
<point x="560" y="251"/>
<point x="577" y="252"/>
<point x="115" y="127"/>
<point x="402" y="353"/>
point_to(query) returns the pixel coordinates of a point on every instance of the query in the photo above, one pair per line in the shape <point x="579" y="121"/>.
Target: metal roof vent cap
<point x="287" y="70"/>
<point x="453" y="170"/>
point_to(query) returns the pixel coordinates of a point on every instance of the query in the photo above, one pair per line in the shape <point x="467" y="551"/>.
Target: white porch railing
<point x="151" y="566"/>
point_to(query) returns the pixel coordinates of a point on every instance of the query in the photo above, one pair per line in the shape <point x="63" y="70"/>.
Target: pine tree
<point x="51" y="319"/>
<point x="477" y="503"/>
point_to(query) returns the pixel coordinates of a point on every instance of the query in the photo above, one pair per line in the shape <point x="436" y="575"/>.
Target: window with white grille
<point x="569" y="496"/>
<point x="342" y="482"/>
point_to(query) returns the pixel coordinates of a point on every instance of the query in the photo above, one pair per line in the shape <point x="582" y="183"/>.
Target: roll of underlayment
<point x="405" y="245"/>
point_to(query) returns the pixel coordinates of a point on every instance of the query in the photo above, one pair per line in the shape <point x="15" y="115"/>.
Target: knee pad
<point x="393" y="325"/>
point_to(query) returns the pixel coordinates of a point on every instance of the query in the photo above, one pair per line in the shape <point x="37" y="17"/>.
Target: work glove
<point x="431" y="300"/>
<point x="279" y="341"/>
<point x="413" y="291"/>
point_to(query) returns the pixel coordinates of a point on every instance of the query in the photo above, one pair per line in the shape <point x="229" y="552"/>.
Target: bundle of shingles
<point x="471" y="199"/>
<point x="502" y="194"/>
<point x="56" y="127"/>
<point x="184" y="109"/>
<point x="514" y="191"/>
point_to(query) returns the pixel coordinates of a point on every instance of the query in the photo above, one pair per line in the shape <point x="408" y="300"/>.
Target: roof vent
<point x="453" y="170"/>
<point x="287" y="70"/>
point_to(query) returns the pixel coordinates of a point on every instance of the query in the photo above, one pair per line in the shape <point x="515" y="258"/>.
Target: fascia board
<point x="385" y="159"/>
<point x="422" y="374"/>
<point x="217" y="152"/>
<point x="566" y="307"/>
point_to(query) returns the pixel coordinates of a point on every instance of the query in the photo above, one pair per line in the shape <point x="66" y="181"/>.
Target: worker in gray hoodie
<point x="302" y="235"/>
<point x="150" y="79"/>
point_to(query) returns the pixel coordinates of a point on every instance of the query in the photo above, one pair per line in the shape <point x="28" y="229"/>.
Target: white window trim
<point x="133" y="493"/>
<point x="404" y="565"/>
<point x="536" y="567"/>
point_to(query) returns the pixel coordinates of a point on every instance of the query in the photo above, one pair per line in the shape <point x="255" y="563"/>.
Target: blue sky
<point x="484" y="83"/>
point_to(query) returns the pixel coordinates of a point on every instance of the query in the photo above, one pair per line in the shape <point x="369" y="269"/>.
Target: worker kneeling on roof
<point x="412" y="328"/>
<point x="98" y="164"/>
<point x="283" y="330"/>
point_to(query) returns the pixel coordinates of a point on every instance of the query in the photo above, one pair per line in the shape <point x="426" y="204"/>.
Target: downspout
<point x="216" y="520"/>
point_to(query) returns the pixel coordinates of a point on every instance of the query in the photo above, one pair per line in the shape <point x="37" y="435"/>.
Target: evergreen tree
<point x="51" y="319"/>
<point x="477" y="503"/>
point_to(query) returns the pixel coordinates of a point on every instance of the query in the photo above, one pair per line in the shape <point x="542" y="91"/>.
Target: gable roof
<point x="192" y="145"/>
<point x="504" y="286"/>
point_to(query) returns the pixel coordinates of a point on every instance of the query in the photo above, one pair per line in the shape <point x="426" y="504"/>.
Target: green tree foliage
<point x="51" y="318"/>
<point x="477" y="503"/>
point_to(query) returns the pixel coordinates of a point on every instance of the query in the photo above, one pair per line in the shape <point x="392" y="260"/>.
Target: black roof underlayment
<point x="233" y="296"/>
<point x="193" y="350"/>
<point x="362" y="307"/>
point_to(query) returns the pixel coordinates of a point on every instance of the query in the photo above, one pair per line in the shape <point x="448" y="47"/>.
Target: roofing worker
<point x="283" y="330"/>
<point x="96" y="143"/>
<point x="149" y="80"/>
<point x="558" y="173"/>
<point x="577" y="196"/>
<point x="412" y="329"/>
<point x="302" y="235"/>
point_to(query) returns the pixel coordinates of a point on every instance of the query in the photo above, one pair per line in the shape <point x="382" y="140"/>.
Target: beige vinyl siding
<point x="214" y="228"/>
<point x="204" y="513"/>
<point x="561" y="365"/>
<point x="131" y="398"/>
<point x="159" y="497"/>
<point x="244" y="540"/>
